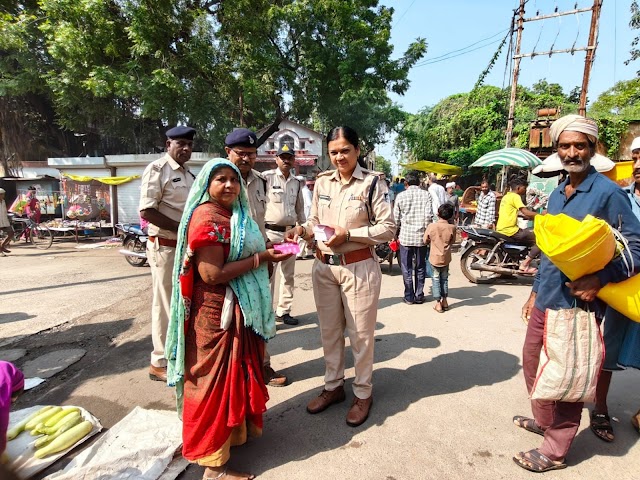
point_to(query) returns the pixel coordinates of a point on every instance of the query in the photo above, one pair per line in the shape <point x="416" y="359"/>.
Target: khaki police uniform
<point x="285" y="209"/>
<point x="257" y="199"/>
<point x="257" y="204"/>
<point x="165" y="187"/>
<point x="347" y="278"/>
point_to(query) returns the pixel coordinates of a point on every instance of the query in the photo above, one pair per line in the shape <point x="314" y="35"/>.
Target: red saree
<point x="224" y="392"/>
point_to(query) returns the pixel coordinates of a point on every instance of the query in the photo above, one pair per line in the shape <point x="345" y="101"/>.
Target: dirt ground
<point x="445" y="385"/>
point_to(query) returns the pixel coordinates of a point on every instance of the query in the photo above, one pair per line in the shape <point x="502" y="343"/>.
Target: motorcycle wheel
<point x="474" y="254"/>
<point x="135" y="245"/>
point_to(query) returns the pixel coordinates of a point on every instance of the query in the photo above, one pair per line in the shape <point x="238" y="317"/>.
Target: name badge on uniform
<point x="324" y="197"/>
<point x="356" y="197"/>
<point x="177" y="179"/>
<point x="276" y="187"/>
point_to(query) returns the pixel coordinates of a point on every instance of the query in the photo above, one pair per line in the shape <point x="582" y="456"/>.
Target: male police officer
<point x="163" y="195"/>
<point x="285" y="209"/>
<point x="241" y="148"/>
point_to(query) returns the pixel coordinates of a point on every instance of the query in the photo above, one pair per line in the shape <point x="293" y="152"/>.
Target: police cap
<point x="181" y="132"/>
<point x="242" y="137"/>
<point x="285" y="150"/>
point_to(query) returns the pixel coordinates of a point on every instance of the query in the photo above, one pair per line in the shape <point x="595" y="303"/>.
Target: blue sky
<point x="455" y="24"/>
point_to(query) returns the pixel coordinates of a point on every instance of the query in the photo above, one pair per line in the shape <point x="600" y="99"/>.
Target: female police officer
<point x="346" y="275"/>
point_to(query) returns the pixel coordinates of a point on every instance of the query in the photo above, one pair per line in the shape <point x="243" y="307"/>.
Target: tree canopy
<point x="461" y="128"/>
<point x="122" y="72"/>
<point x="383" y="165"/>
<point x="613" y="110"/>
<point x="634" y="23"/>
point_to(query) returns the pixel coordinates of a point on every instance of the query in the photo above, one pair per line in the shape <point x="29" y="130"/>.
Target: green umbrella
<point x="508" y="157"/>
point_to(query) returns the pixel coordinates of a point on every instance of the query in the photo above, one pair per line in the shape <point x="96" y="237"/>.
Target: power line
<point x="458" y="55"/>
<point x="428" y="61"/>
<point x="404" y="13"/>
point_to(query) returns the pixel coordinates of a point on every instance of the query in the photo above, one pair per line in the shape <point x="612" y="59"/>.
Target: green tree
<point x="463" y="127"/>
<point x="634" y="23"/>
<point x="383" y="165"/>
<point x="123" y="71"/>
<point x="613" y="110"/>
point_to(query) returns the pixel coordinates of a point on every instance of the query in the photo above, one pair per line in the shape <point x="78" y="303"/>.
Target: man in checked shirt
<point x="413" y="212"/>
<point x="486" y="212"/>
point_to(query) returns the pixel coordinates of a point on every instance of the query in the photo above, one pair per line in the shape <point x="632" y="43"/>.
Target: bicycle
<point x="37" y="234"/>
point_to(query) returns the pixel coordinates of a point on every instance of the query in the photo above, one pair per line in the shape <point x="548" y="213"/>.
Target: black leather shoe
<point x="287" y="319"/>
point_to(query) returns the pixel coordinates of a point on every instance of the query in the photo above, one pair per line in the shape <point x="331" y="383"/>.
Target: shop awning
<point x="105" y="180"/>
<point x="433" y="167"/>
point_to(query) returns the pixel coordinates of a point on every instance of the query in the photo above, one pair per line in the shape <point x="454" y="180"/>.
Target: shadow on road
<point x="17" y="252"/>
<point x="73" y="284"/>
<point x="102" y="358"/>
<point x="14" y="317"/>
<point x="395" y="390"/>
<point x="387" y="348"/>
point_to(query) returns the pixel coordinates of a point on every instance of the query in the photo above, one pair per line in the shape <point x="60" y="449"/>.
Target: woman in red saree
<point x="219" y="323"/>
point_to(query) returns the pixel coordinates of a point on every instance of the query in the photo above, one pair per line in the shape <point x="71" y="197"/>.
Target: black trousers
<point x="527" y="237"/>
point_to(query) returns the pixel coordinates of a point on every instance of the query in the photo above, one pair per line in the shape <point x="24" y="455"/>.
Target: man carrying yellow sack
<point x="584" y="192"/>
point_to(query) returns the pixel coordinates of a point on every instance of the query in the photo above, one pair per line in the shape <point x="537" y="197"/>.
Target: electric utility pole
<point x="590" y="50"/>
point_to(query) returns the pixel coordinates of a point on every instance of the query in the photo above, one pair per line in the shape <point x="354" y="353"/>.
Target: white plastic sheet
<point x="141" y="446"/>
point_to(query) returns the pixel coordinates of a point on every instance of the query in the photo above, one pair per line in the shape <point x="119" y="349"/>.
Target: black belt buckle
<point x="333" y="259"/>
<point x="277" y="228"/>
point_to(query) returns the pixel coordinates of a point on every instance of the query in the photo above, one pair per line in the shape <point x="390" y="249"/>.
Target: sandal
<point x="601" y="426"/>
<point x="224" y="474"/>
<point x="529" y="424"/>
<point x="534" y="461"/>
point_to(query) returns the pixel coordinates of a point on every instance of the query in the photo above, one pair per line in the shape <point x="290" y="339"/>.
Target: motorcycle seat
<point x="136" y="230"/>
<point x="500" y="236"/>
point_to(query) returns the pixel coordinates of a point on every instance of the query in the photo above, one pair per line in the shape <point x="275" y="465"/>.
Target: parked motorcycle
<point x="134" y="241"/>
<point x="487" y="255"/>
<point x="387" y="251"/>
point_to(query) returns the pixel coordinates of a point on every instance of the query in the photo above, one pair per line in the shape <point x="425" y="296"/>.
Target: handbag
<point x="571" y="357"/>
<point x="228" y="308"/>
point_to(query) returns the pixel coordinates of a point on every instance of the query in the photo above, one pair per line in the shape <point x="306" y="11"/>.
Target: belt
<point x="278" y="228"/>
<point x="165" y="242"/>
<point x="344" y="258"/>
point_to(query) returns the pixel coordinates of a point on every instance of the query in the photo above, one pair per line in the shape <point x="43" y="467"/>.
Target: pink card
<point x="287" y="247"/>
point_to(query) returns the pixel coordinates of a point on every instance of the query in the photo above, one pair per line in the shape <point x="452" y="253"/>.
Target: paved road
<point x="445" y="385"/>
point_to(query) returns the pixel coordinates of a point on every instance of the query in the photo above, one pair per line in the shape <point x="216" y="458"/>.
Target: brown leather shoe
<point x="273" y="378"/>
<point x="158" y="373"/>
<point x="325" y="400"/>
<point x="359" y="411"/>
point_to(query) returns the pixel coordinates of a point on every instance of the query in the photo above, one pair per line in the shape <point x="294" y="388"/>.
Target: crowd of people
<point x="214" y="254"/>
<point x="224" y="238"/>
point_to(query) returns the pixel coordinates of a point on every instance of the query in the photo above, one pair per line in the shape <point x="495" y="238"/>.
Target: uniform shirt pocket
<point x="324" y="204"/>
<point x="261" y="198"/>
<point x="276" y="196"/>
<point x="356" y="213"/>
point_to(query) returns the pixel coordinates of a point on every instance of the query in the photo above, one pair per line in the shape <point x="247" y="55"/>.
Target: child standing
<point x="441" y="235"/>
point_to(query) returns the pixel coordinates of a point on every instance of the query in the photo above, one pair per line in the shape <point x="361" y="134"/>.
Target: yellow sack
<point x="623" y="297"/>
<point x="576" y="248"/>
<point x="581" y="248"/>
